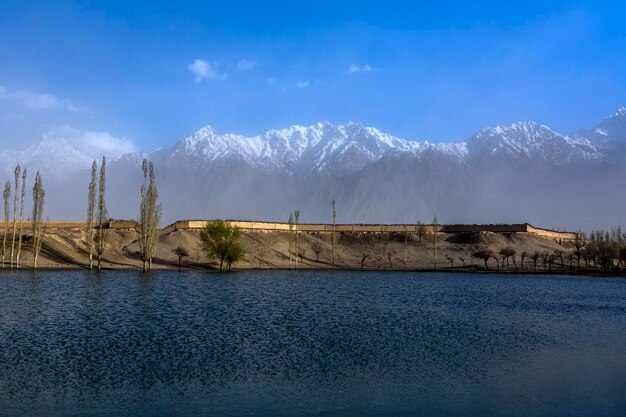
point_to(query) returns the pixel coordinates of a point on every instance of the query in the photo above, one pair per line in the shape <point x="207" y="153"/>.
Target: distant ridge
<point x="525" y="171"/>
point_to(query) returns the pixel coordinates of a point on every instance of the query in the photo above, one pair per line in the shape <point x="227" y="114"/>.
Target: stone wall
<point x="552" y="234"/>
<point x="27" y="225"/>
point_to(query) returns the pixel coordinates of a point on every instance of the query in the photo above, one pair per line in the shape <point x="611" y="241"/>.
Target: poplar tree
<point x="91" y="206"/>
<point x="149" y="215"/>
<point x="7" y="205"/>
<point x="17" y="179"/>
<point x="19" y="240"/>
<point x="38" y="200"/>
<point x="101" y="216"/>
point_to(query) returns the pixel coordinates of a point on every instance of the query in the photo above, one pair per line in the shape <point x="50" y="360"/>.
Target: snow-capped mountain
<point x="52" y="155"/>
<point x="532" y="143"/>
<point x="347" y="148"/>
<point x="521" y="172"/>
<point x="323" y="146"/>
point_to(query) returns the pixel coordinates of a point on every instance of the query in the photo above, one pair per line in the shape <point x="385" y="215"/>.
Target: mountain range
<point x="524" y="172"/>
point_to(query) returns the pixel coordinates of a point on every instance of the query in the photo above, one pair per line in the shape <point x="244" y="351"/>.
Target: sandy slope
<point x="270" y="250"/>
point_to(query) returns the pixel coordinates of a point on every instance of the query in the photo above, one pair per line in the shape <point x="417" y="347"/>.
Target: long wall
<point x="365" y="228"/>
<point x="379" y="228"/>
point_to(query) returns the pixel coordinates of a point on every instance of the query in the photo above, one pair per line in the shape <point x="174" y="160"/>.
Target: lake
<point x="119" y="343"/>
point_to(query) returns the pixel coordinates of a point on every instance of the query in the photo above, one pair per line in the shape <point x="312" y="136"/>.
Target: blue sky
<point x="141" y="75"/>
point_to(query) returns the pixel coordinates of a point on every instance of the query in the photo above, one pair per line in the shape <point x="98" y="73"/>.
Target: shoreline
<point x="215" y="269"/>
<point x="267" y="250"/>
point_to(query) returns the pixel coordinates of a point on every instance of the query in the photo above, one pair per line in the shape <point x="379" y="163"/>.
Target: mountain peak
<point x="207" y="131"/>
<point x="527" y="125"/>
<point x="50" y="140"/>
<point x="322" y="124"/>
<point x="352" y="125"/>
<point x="524" y="129"/>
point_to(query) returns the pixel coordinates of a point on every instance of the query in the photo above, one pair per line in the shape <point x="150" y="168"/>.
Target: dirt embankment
<point x="65" y="248"/>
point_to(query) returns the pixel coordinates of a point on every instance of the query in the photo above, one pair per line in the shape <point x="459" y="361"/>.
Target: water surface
<point x="75" y="343"/>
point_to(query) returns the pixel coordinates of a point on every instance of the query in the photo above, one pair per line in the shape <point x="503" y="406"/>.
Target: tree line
<point x="218" y="239"/>
<point x="96" y="233"/>
<point x="16" y="234"/>
<point x="600" y="250"/>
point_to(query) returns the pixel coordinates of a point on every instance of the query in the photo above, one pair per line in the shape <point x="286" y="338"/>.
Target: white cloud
<point x="354" y="68"/>
<point x="96" y="144"/>
<point x="36" y="101"/>
<point x="302" y="84"/>
<point x="271" y="80"/>
<point x="203" y="70"/>
<point x="245" y="65"/>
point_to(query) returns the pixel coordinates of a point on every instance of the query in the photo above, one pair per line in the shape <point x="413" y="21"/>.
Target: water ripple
<point x="281" y="343"/>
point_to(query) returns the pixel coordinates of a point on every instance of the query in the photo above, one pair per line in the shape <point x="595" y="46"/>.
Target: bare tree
<point x="334" y="231"/>
<point x="91" y="207"/>
<point x="451" y="260"/>
<point x="523" y="256"/>
<point x="506" y="253"/>
<point x="19" y="240"/>
<point x="301" y="252"/>
<point x="462" y="259"/>
<point x="435" y="228"/>
<point x="17" y="184"/>
<point x="317" y="249"/>
<point x="570" y="258"/>
<point x="534" y="257"/>
<point x="485" y="255"/>
<point x="7" y="206"/>
<point x="260" y="255"/>
<point x="560" y="254"/>
<point x="579" y="245"/>
<point x="149" y="215"/>
<point x="297" y="223"/>
<point x="420" y="230"/>
<point x="544" y="258"/>
<point x="101" y="215"/>
<point x="181" y="253"/>
<point x="363" y="258"/>
<point x="38" y="200"/>
<point x="406" y="238"/>
<point x="385" y="239"/>
<point x="291" y="226"/>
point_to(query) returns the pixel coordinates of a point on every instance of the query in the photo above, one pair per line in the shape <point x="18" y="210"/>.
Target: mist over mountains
<point x="525" y="172"/>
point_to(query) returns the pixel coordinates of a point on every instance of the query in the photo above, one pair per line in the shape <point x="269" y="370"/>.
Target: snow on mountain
<point x="531" y="142"/>
<point x="342" y="149"/>
<point x="613" y="127"/>
<point x="521" y="172"/>
<point x="339" y="149"/>
<point x="52" y="155"/>
<point x="347" y="148"/>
